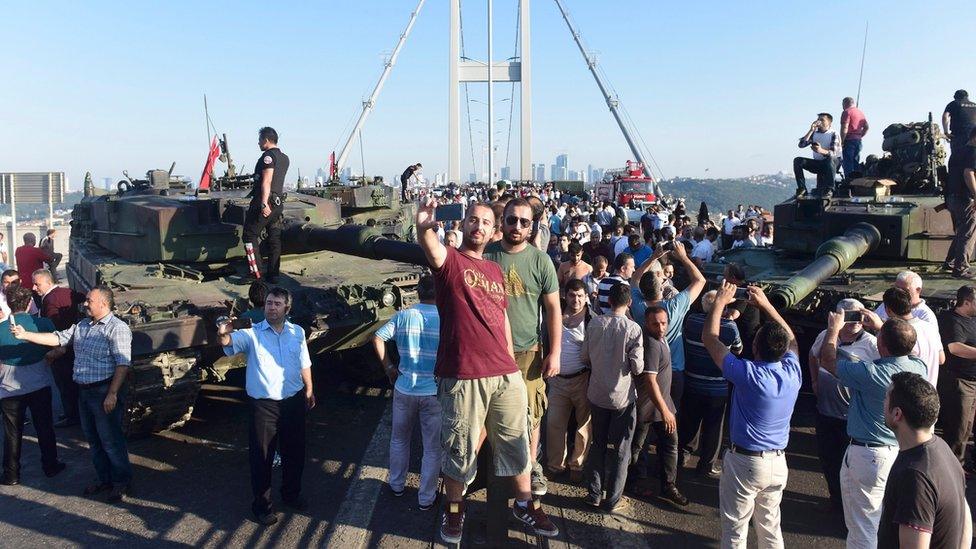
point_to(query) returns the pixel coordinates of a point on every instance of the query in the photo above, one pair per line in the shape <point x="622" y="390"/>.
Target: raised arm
<point x="828" y="353"/>
<point x="758" y="298"/>
<point x="697" y="283"/>
<point x="427" y="234"/>
<point x="645" y="266"/>
<point x="48" y="339"/>
<point x="713" y="324"/>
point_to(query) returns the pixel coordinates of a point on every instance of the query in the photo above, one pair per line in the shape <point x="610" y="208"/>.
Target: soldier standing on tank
<point x="958" y="119"/>
<point x="406" y="176"/>
<point x="960" y="198"/>
<point x="267" y="203"/>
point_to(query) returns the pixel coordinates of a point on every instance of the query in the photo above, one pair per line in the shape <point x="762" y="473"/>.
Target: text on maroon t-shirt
<point x="471" y="303"/>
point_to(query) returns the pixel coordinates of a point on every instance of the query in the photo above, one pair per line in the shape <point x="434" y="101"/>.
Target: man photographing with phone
<point x="279" y="390"/>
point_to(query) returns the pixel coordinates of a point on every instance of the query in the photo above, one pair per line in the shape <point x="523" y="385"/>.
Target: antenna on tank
<point x="864" y="49"/>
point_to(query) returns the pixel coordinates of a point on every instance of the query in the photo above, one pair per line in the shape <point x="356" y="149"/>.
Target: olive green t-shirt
<point x="529" y="275"/>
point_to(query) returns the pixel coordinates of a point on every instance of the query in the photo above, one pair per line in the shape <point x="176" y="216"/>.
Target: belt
<point x="577" y="374"/>
<point x="754" y="453"/>
<point x="869" y="444"/>
<point x="105" y="381"/>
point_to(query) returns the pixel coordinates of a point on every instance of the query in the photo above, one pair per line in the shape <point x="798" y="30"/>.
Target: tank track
<point x="162" y="390"/>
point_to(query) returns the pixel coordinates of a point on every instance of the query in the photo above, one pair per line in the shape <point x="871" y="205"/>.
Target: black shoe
<point x="965" y="274"/>
<point x="266" y="519"/>
<point x="713" y="473"/>
<point x="9" y="480"/>
<point x="53" y="471"/>
<point x="396" y="493"/>
<point x="97" y="488"/>
<point x="67" y="422"/>
<point x="672" y="495"/>
<point x="592" y="500"/>
<point x="800" y="193"/>
<point x="118" y="493"/>
<point x="947" y="266"/>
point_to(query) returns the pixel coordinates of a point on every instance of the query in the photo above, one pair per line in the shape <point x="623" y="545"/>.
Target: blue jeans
<point x="852" y="157"/>
<point x="104" y="433"/>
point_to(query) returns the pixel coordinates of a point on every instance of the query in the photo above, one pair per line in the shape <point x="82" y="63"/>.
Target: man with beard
<point x="575" y="267"/>
<point x="479" y="384"/>
<point x="530" y="281"/>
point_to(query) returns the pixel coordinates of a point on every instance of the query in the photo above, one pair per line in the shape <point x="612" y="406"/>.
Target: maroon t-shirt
<point x="471" y="302"/>
<point x="29" y="259"/>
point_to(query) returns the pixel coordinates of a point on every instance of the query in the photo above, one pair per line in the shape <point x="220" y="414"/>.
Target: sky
<point x="726" y="87"/>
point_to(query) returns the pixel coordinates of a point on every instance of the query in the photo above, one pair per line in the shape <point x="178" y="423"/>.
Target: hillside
<point x="723" y="194"/>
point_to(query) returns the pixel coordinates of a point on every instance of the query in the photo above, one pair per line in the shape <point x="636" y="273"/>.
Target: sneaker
<point x="97" y="488"/>
<point x="266" y="519"/>
<point x="800" y="193"/>
<point x="539" y="484"/>
<point x="965" y="274"/>
<point x="9" y="480"/>
<point x="452" y="525"/>
<point x="53" y="471"/>
<point x="118" y="493"/>
<point x="622" y="504"/>
<point x="946" y="266"/>
<point x="533" y="515"/>
<point x="395" y="492"/>
<point x="672" y="495"/>
<point x="713" y="473"/>
<point x="592" y="500"/>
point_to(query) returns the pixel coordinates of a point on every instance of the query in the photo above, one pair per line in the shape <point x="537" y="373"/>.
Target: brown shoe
<point x="622" y="504"/>
<point x="452" y="525"/>
<point x="533" y="515"/>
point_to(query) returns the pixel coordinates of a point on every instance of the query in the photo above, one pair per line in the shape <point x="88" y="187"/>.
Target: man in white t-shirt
<point x="911" y="282"/>
<point x="825" y="145"/>
<point x="704" y="245"/>
<point x="928" y="343"/>
<point x="730" y="222"/>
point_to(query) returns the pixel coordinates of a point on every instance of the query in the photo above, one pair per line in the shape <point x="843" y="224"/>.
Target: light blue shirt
<point x="274" y="361"/>
<point x="868" y="382"/>
<point x="417" y="333"/>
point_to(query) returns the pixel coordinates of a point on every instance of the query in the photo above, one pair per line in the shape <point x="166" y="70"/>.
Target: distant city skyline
<point x="721" y="89"/>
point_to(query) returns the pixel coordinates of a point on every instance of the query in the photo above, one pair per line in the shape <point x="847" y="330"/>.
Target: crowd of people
<point x="549" y="310"/>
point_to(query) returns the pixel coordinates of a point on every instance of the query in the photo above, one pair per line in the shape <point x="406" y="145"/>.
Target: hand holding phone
<point x="852" y="316"/>
<point x="742" y="293"/>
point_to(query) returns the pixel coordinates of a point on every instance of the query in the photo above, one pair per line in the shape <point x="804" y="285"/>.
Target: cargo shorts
<point x="530" y="364"/>
<point x="494" y="403"/>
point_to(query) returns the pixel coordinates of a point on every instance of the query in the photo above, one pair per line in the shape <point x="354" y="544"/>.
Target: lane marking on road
<point x="351" y="524"/>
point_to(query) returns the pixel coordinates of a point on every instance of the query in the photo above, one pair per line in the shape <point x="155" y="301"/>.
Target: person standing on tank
<point x="406" y="176"/>
<point x="853" y="127"/>
<point x="267" y="203"/>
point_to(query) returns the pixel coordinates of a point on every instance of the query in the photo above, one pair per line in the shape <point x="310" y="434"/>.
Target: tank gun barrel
<point x="833" y="256"/>
<point x="357" y="240"/>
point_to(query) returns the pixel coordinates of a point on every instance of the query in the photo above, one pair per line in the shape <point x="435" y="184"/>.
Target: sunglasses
<point x="520" y="221"/>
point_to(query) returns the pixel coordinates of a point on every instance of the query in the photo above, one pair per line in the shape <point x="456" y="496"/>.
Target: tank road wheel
<point x="162" y="391"/>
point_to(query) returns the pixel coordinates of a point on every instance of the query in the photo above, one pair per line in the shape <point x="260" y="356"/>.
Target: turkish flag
<point x="332" y="166"/>
<point x="208" y="168"/>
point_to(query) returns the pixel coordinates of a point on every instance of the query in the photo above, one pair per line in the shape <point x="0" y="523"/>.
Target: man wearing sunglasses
<point x="530" y="282"/>
<point x="479" y="384"/>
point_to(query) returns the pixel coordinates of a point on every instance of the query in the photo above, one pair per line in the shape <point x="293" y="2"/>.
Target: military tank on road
<point x="369" y="201"/>
<point x="175" y="259"/>
<point x="889" y="218"/>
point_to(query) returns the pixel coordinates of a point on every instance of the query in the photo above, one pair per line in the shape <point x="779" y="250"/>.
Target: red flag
<point x="332" y="167"/>
<point x="208" y="168"/>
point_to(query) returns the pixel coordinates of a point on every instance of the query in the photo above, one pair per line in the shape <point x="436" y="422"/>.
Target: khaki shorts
<point x="530" y="364"/>
<point x="496" y="403"/>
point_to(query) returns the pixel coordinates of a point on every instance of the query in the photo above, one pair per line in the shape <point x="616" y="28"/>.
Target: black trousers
<point x="832" y="442"/>
<point x="705" y="413"/>
<point x="63" y="369"/>
<point x="39" y="403"/>
<point x="823" y="168"/>
<point x="958" y="403"/>
<point x="963" y="212"/>
<point x="609" y="454"/>
<point x="667" y="454"/>
<point x="277" y="424"/>
<point x="254" y="225"/>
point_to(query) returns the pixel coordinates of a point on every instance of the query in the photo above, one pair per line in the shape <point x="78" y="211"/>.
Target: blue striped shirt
<point x="702" y="375"/>
<point x="416" y="332"/>
<point x="100" y="347"/>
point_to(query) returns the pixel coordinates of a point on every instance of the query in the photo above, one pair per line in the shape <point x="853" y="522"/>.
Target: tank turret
<point x="369" y="201"/>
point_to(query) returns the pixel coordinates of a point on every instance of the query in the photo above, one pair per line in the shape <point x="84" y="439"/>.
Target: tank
<point x="369" y="201"/>
<point x="175" y="260"/>
<point x="890" y="218"/>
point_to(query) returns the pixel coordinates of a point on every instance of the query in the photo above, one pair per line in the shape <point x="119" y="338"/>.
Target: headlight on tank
<point x="388" y="298"/>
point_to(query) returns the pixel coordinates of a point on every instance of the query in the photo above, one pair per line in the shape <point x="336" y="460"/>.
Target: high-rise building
<point x="562" y="161"/>
<point x="505" y="172"/>
<point x="553" y="173"/>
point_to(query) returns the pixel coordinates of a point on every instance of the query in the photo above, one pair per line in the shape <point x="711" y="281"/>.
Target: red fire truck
<point x="628" y="187"/>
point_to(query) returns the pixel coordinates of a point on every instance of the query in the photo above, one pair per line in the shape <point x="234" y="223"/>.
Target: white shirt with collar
<point x="274" y="360"/>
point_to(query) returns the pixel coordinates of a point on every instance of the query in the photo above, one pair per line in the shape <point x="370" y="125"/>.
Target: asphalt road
<point x="192" y="488"/>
